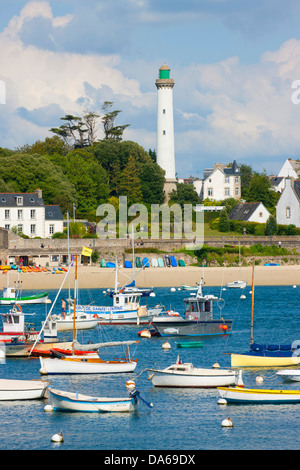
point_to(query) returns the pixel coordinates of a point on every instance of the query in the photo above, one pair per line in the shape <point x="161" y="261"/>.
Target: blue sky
<point x="233" y="62"/>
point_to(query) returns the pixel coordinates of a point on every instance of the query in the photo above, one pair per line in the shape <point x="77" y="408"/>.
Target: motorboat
<point x="236" y="284"/>
<point x="197" y="320"/>
<point x="186" y="375"/>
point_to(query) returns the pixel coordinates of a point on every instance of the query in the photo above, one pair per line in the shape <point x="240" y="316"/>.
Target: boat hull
<point x="198" y="378"/>
<point x="178" y="326"/>
<point x="22" y="349"/>
<point x="84" y="365"/>
<point x="259" y="396"/>
<point x="111" y="316"/>
<point x="67" y="325"/>
<point x="66" y="401"/>
<point x="22" y="389"/>
<point x="30" y="299"/>
<point x="289" y="375"/>
<point x="248" y="360"/>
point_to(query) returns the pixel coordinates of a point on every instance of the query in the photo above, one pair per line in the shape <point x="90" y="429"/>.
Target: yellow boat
<point x="262" y="355"/>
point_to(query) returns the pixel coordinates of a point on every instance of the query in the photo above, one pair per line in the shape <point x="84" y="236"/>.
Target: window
<point x="260" y="214"/>
<point x="164" y="132"/>
<point x="237" y="180"/>
<point x="32" y="229"/>
<point x="51" y="229"/>
<point x="237" y="191"/>
<point x="19" y="201"/>
<point x="7" y="226"/>
<point x="288" y="212"/>
<point x="227" y="192"/>
<point x="20" y="228"/>
<point x="7" y="214"/>
<point x="209" y="191"/>
<point x="20" y="214"/>
<point x="32" y="213"/>
<point x="226" y="179"/>
<point x="164" y="111"/>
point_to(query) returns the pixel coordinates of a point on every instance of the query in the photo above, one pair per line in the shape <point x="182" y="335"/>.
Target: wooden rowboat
<point x="258" y="396"/>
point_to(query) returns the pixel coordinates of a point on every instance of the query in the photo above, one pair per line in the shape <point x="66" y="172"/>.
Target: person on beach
<point x="63" y="308"/>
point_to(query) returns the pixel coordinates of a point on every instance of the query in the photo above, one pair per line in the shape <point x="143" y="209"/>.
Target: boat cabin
<point x="199" y="306"/>
<point x="13" y="322"/>
<point x="126" y="300"/>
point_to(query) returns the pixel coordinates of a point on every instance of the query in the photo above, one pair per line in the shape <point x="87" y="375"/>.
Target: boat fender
<point x="96" y="316"/>
<point x="18" y="307"/>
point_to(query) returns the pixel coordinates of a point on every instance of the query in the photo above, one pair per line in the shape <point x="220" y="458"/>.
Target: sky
<point x="235" y="63"/>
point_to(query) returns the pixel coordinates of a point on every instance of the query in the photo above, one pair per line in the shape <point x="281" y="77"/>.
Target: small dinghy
<point x="290" y="374"/>
<point x="22" y="389"/>
<point x="69" y="401"/>
<point x="189" y="344"/>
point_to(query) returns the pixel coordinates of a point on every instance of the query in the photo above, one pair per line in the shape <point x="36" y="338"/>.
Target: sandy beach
<point x="92" y="277"/>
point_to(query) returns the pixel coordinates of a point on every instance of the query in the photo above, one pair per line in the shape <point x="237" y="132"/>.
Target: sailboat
<point x="87" y="363"/>
<point x="12" y="295"/>
<point x="237" y="284"/>
<point x="263" y="355"/>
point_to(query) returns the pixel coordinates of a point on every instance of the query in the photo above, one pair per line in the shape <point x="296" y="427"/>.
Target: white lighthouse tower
<point x="165" y="128"/>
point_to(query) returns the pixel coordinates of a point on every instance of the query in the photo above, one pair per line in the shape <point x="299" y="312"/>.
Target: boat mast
<point x="75" y="296"/>
<point x="252" y="302"/>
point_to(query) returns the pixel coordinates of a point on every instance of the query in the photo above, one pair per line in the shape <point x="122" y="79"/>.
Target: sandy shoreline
<point x="95" y="277"/>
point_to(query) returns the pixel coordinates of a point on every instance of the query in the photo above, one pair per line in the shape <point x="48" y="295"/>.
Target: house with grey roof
<point x="250" y="212"/>
<point x="28" y="214"/>
<point x="288" y="205"/>
<point x="222" y="182"/>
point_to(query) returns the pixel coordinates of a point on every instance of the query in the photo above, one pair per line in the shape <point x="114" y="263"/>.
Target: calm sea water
<point x="180" y="419"/>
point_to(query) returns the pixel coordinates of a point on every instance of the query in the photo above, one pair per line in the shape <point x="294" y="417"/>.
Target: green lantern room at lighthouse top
<point x="164" y="73"/>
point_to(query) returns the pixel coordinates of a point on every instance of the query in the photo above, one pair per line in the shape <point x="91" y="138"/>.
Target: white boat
<point x="22" y="389"/>
<point x="83" y="321"/>
<point x="14" y="326"/>
<point x="74" y="401"/>
<point x="290" y="374"/>
<point x="236" y="284"/>
<point x="258" y="396"/>
<point x="11" y="296"/>
<point x="87" y="363"/>
<point x="186" y="375"/>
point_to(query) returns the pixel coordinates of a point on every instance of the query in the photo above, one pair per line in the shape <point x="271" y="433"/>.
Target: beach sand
<point x="92" y="277"/>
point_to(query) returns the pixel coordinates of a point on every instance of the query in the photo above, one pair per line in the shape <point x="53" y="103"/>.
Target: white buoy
<point x="294" y="287"/>
<point x="223" y="288"/>
<point x="145" y="334"/>
<point x="43" y="371"/>
<point x="216" y="365"/>
<point x="104" y="292"/>
<point x="242" y="296"/>
<point x="250" y="292"/>
<point x="57" y="438"/>
<point x="166" y="345"/>
<point x="227" y="423"/>
<point x="179" y="288"/>
<point x="48" y="408"/>
<point x="259" y="379"/>
<point x="130" y="384"/>
<point x="222" y="401"/>
<point x="173" y="289"/>
<point x="152" y="294"/>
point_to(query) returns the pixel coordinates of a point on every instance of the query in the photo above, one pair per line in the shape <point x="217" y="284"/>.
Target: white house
<point x="27" y="213"/>
<point x="290" y="169"/>
<point x="250" y="212"/>
<point x="222" y="182"/>
<point x="288" y="205"/>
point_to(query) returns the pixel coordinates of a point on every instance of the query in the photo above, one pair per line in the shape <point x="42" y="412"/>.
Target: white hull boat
<point x="22" y="389"/>
<point x="258" y="396"/>
<point x="84" y="364"/>
<point x="290" y="374"/>
<point x="236" y="285"/>
<point x="83" y="321"/>
<point x="74" y="401"/>
<point x="186" y="375"/>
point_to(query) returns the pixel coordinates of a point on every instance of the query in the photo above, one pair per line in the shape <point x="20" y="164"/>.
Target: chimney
<point x="39" y="193"/>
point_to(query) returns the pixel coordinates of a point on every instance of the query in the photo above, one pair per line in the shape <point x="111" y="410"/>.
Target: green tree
<point x="152" y="183"/>
<point x="130" y="183"/>
<point x="271" y="226"/>
<point x="224" y="223"/>
<point x="246" y="176"/>
<point x="184" y="194"/>
<point x="260" y="191"/>
<point x="111" y="131"/>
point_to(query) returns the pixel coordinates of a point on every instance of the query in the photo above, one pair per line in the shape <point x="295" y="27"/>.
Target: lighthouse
<point x="165" y="128"/>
